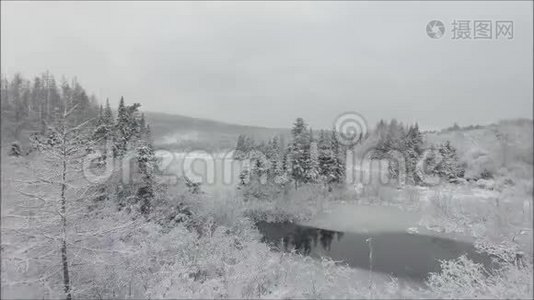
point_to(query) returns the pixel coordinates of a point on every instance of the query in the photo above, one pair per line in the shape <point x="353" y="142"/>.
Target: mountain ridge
<point x="185" y="133"/>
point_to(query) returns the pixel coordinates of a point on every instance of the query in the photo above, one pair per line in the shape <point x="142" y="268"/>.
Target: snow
<point x="353" y="217"/>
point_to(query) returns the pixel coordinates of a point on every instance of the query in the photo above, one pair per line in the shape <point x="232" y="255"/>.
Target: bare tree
<point x="63" y="146"/>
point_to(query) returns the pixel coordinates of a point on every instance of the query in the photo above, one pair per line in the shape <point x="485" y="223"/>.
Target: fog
<point x="261" y="63"/>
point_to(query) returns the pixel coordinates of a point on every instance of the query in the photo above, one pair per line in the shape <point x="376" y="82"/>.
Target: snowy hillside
<point x="183" y="133"/>
<point x="507" y="144"/>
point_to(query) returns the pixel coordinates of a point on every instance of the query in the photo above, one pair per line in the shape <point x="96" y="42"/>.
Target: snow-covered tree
<point x="104" y="124"/>
<point x="244" y="145"/>
<point x="298" y="149"/>
<point x="412" y="149"/>
<point x="313" y="170"/>
<point x="330" y="159"/>
<point x="449" y="166"/>
<point x="127" y="126"/>
<point x="147" y="164"/>
<point x="63" y="148"/>
<point x="338" y="170"/>
<point x="326" y="158"/>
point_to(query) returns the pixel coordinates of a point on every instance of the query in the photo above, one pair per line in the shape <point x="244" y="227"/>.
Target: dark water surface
<point x="404" y="255"/>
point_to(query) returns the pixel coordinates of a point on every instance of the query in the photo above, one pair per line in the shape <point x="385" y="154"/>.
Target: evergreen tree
<point x="449" y="167"/>
<point x="121" y="130"/>
<point x="274" y="155"/>
<point x="326" y="161"/>
<point x="431" y="161"/>
<point x="412" y="150"/>
<point x="239" y="148"/>
<point x="127" y="126"/>
<point x="260" y="167"/>
<point x="104" y="124"/>
<point x="100" y="119"/>
<point x="146" y="161"/>
<point x="108" y="114"/>
<point x="312" y="161"/>
<point x="337" y="171"/>
<point x="298" y="150"/>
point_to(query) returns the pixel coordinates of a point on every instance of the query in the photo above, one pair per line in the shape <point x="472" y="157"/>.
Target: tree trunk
<point x="64" y="260"/>
<point x="66" y="279"/>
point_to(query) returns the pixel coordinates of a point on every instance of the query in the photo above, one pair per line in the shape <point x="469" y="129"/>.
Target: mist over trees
<point x="29" y="104"/>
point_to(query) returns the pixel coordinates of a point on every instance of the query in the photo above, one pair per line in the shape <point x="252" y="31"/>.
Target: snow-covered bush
<point x="459" y="278"/>
<point x="462" y="278"/>
<point x="224" y="264"/>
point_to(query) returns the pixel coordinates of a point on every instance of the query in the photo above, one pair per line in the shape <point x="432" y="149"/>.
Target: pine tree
<point x="248" y="145"/>
<point x="298" y="150"/>
<point x="325" y="158"/>
<point x="239" y="148"/>
<point x="274" y="155"/>
<point x="100" y="119"/>
<point x="146" y="161"/>
<point x="121" y="130"/>
<point x="260" y="167"/>
<point x="431" y="161"/>
<point x="279" y="172"/>
<point x="417" y="140"/>
<point x="108" y="114"/>
<point x="37" y="99"/>
<point x="339" y="162"/>
<point x="412" y="150"/>
<point x="312" y="161"/>
<point x="127" y="126"/>
<point x="449" y="167"/>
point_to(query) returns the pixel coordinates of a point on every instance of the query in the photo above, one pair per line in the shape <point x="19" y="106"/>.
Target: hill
<point x="507" y="144"/>
<point x="182" y="133"/>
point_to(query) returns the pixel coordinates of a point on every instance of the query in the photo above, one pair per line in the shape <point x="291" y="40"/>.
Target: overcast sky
<point x="266" y="63"/>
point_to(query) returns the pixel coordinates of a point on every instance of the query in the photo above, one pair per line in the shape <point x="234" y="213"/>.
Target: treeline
<point x="306" y="159"/>
<point x="85" y="157"/>
<point x="30" y="104"/>
<point x="404" y="148"/>
<point x="45" y="114"/>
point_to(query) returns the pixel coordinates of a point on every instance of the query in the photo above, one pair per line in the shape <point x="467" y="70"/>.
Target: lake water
<point x="404" y="255"/>
<point x="395" y="251"/>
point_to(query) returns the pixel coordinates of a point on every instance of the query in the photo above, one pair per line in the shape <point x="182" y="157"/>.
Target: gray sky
<point x="266" y="63"/>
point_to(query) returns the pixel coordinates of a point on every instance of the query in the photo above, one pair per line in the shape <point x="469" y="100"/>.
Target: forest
<point x="86" y="212"/>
